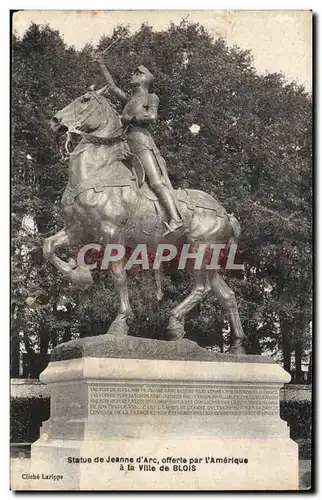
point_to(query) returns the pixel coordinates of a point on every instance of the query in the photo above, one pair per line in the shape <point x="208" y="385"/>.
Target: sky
<point x="280" y="40"/>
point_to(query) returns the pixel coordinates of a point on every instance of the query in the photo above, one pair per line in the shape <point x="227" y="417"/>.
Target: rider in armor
<point x="141" y="109"/>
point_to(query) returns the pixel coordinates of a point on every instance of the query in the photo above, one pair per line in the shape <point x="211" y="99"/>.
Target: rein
<point x="75" y="129"/>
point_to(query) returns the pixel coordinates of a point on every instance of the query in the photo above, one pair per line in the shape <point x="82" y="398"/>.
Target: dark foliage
<point x="26" y="417"/>
<point x="298" y="415"/>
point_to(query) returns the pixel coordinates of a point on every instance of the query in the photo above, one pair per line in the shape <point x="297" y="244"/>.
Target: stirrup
<point x="179" y="224"/>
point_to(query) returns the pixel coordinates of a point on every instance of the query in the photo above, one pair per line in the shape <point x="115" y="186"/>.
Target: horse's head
<point x="91" y="113"/>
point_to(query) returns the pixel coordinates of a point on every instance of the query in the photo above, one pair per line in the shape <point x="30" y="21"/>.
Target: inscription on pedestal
<point x="137" y="399"/>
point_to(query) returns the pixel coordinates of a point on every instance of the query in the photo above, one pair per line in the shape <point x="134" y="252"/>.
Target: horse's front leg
<point x="120" y="325"/>
<point x="111" y="235"/>
<point x="66" y="237"/>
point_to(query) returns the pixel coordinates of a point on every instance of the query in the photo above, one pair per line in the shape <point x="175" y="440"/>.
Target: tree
<point x="252" y="152"/>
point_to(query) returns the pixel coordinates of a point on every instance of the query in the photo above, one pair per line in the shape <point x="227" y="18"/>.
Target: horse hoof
<point x="119" y="328"/>
<point x="72" y="263"/>
<point x="237" y="349"/>
<point x="81" y="276"/>
<point x="177" y="334"/>
<point x="175" y="330"/>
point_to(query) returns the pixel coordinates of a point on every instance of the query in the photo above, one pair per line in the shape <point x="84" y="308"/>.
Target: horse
<point x="103" y="200"/>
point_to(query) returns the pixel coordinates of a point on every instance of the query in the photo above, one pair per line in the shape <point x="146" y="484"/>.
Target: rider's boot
<point x="167" y="199"/>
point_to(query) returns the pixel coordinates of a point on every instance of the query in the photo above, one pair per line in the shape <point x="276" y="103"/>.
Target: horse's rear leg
<point x="120" y="325"/>
<point x="177" y="316"/>
<point x="227" y="299"/>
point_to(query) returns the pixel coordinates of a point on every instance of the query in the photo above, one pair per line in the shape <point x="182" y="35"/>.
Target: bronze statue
<point x="103" y="202"/>
<point x="141" y="109"/>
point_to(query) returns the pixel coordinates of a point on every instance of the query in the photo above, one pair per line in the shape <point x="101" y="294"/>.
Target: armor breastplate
<point x="136" y="105"/>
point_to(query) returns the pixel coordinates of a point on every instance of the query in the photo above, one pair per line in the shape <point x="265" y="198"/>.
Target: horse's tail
<point x="236" y="229"/>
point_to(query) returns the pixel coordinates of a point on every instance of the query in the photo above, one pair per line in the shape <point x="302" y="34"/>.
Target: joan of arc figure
<point x="141" y="109"/>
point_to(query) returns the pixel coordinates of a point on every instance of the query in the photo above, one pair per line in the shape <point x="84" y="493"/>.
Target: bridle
<point x="75" y="129"/>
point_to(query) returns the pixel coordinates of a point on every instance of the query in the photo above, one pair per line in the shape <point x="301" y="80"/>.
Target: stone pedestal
<point x="197" y="421"/>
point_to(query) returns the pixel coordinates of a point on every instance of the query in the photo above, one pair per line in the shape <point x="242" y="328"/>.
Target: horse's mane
<point x="109" y="103"/>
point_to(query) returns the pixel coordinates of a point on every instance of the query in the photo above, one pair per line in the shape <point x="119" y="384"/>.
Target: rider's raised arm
<point x="112" y="87"/>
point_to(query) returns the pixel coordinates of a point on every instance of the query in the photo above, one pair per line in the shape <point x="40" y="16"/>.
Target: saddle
<point x="121" y="176"/>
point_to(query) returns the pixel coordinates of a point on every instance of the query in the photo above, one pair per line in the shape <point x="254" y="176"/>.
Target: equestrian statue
<point x="119" y="192"/>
